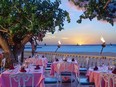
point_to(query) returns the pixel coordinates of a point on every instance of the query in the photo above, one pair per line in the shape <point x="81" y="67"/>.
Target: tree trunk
<point x="22" y="56"/>
<point x="18" y="48"/>
<point x="4" y="45"/>
<point x="6" y="49"/>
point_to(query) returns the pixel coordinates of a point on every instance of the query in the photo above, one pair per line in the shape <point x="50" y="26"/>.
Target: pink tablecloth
<point x="94" y="76"/>
<point x="37" y="61"/>
<point x="72" y="68"/>
<point x="38" y="78"/>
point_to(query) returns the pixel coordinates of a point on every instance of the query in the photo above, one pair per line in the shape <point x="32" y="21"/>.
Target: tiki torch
<point x="58" y="46"/>
<point x="103" y="44"/>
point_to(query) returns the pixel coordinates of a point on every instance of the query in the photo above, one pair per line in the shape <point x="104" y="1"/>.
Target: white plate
<point x="9" y="70"/>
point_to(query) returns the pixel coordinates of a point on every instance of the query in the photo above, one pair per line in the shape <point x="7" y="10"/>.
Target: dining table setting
<point x="64" y="65"/>
<point x="95" y="74"/>
<point x="37" y="60"/>
<point x="20" y="72"/>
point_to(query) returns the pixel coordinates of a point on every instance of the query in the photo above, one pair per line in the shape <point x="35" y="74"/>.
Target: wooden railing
<point x="83" y="60"/>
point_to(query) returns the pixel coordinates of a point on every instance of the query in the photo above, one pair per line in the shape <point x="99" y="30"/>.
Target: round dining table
<point x="94" y="75"/>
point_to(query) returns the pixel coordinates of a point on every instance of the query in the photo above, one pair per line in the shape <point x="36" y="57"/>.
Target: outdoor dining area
<point x="29" y="31"/>
<point x="30" y="73"/>
<point x="47" y="69"/>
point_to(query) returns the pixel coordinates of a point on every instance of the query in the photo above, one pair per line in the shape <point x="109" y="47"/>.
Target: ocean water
<point x="73" y="48"/>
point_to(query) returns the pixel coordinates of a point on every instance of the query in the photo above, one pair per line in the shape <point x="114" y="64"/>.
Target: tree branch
<point x="28" y="20"/>
<point x="26" y="27"/>
<point x="26" y="38"/>
<point x="3" y="29"/>
<point x="107" y="4"/>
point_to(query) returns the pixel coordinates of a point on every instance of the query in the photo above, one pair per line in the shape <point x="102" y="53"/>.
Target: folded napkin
<point x="57" y="59"/>
<point x="22" y="69"/>
<point x="65" y="78"/>
<point x="42" y="56"/>
<point x="11" y="67"/>
<point x="114" y="71"/>
<point x="95" y="68"/>
<point x="73" y="59"/>
<point x="37" y="67"/>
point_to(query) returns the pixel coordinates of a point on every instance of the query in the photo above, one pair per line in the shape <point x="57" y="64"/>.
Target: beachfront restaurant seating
<point x="83" y="71"/>
<point x="48" y="66"/>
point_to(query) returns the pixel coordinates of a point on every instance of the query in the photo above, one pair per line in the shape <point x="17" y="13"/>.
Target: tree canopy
<point x="104" y="10"/>
<point x="23" y="21"/>
<point x="21" y="17"/>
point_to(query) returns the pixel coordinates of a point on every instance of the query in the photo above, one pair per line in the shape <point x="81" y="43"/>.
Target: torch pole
<point x="101" y="50"/>
<point x="103" y="45"/>
<point x="56" y="50"/>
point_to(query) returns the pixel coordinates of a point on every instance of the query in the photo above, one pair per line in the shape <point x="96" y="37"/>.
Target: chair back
<point x="43" y="62"/>
<point x="21" y="77"/>
<point x="113" y="78"/>
<point x="104" y="78"/>
<point x="58" y="68"/>
<point x="67" y="69"/>
<point x="16" y="78"/>
<point x="3" y="63"/>
<point x="19" y="59"/>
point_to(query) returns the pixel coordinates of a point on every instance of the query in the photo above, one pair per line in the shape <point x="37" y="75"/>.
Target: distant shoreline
<point x="74" y="45"/>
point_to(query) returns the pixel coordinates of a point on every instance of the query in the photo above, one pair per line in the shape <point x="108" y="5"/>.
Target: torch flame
<point x="102" y="39"/>
<point x="59" y="42"/>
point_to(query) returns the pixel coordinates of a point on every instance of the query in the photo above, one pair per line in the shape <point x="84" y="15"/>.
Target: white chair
<point x="106" y="78"/>
<point x="113" y="78"/>
<point x="43" y="63"/>
<point x="87" y="62"/>
<point x="76" y="69"/>
<point x="16" y="77"/>
<point x="3" y="63"/>
<point x="24" y="77"/>
<point x="19" y="59"/>
<point x="53" y="58"/>
<point x="66" y="69"/>
<point x="58" y="72"/>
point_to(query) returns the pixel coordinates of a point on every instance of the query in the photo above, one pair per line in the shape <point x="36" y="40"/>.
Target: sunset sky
<point x="88" y="32"/>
